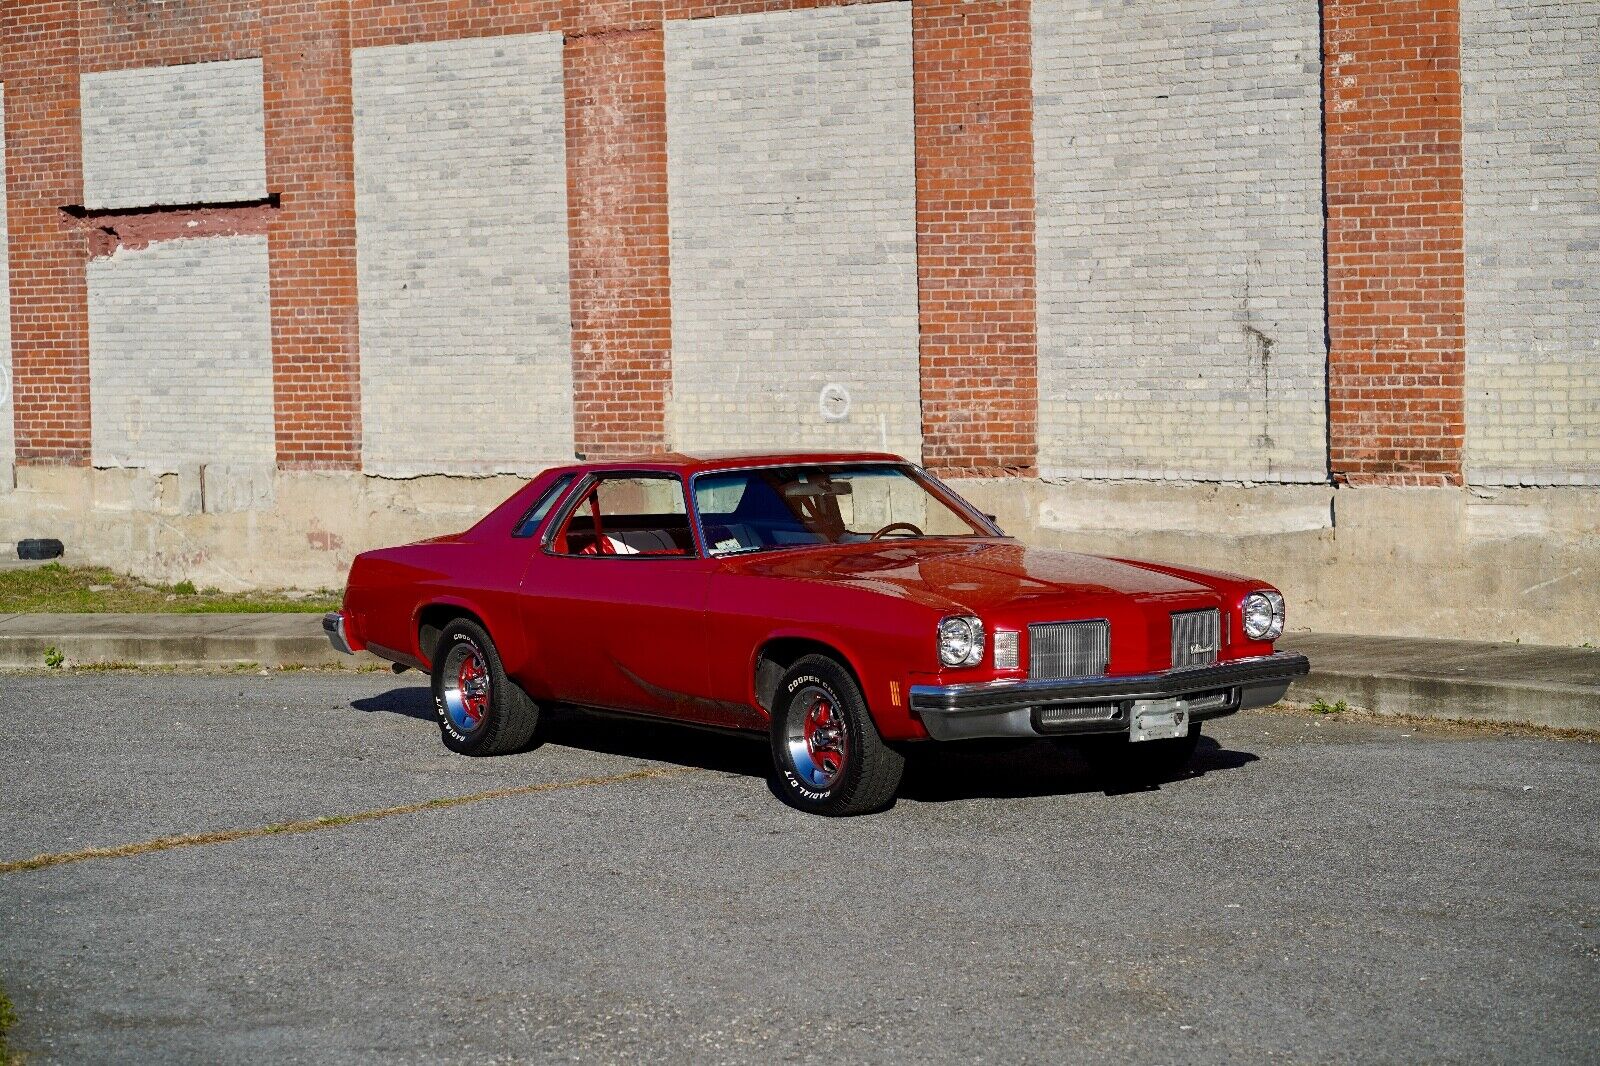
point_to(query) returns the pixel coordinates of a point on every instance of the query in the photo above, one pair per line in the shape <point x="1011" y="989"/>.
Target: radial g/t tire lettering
<point x="481" y="710"/>
<point x="826" y="752"/>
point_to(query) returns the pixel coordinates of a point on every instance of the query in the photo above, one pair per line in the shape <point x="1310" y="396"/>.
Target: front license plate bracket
<point x="1158" y="720"/>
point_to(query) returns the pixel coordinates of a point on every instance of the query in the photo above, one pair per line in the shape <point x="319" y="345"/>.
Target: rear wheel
<point x="826" y="750"/>
<point x="481" y="710"/>
<point x="1146" y="762"/>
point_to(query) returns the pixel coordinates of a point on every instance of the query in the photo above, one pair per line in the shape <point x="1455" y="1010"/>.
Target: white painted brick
<point x="793" y="220"/>
<point x="461" y="224"/>
<point x="180" y="358"/>
<point x="8" y="449"/>
<point x="1531" y="147"/>
<point x="173" y="135"/>
<point x="1179" y="240"/>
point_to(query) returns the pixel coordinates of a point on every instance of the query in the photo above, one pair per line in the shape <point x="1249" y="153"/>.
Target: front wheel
<point x="828" y="756"/>
<point x="481" y="710"/>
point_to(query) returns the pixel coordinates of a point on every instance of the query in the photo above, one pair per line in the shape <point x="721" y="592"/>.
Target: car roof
<point x="680" y="463"/>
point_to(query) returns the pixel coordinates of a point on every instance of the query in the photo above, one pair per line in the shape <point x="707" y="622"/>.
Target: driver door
<point x="616" y="596"/>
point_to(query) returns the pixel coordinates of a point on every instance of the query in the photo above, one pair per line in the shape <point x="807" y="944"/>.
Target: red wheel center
<point x="824" y="735"/>
<point x="473" y="679"/>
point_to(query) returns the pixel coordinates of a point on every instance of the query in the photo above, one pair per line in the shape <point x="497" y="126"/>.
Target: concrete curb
<point x="1526" y="703"/>
<point x="1556" y="688"/>
<point x="270" y="640"/>
<point x="1452" y="680"/>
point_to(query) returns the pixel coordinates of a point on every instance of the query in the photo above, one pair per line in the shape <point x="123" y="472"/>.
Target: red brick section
<point x="1397" y="352"/>
<point x="701" y="9"/>
<point x="380" y="22"/>
<point x="975" y="236"/>
<point x="49" y="290"/>
<point x="618" y="241"/>
<point x="117" y="34"/>
<point x="312" y="242"/>
<point x="134" y="229"/>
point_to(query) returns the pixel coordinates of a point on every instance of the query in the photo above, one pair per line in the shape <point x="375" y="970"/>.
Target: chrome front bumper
<point x="1100" y="704"/>
<point x="333" y="626"/>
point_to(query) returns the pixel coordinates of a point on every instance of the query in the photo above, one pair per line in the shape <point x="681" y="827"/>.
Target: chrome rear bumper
<point x="1103" y="704"/>
<point x="333" y="626"/>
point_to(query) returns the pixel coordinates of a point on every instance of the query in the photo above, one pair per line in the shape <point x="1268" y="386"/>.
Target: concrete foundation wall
<point x="1517" y="564"/>
<point x="180" y="355"/>
<point x="792" y="200"/>
<point x="173" y="135"/>
<point x="462" y="255"/>
<point x="1520" y="564"/>
<point x="1178" y="154"/>
<point x="1531" y="142"/>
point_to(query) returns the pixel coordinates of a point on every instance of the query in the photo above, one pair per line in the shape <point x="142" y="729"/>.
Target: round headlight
<point x="1263" y="615"/>
<point x="961" y="641"/>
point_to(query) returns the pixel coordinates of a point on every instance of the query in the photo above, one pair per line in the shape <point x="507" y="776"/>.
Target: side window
<point x="628" y="515"/>
<point x="541" y="507"/>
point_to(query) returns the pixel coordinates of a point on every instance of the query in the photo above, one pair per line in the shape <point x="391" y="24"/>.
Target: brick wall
<point x="118" y="34"/>
<point x="792" y="202"/>
<point x="49" y="299"/>
<point x="8" y="451"/>
<point x="462" y="247"/>
<point x="620" y="255"/>
<point x="1531" y="128"/>
<point x="975" y="236"/>
<point x="173" y="135"/>
<point x="310" y="165"/>
<point x="1180" y="320"/>
<point x="181" y="367"/>
<point x="1391" y="74"/>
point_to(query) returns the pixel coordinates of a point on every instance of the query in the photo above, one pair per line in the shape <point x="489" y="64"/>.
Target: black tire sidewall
<point x="467" y="632"/>
<point x="800" y="793"/>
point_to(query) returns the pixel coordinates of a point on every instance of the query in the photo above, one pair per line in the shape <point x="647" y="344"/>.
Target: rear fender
<point x="508" y="638"/>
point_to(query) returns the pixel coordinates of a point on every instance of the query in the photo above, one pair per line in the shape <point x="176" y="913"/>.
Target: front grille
<point x="1194" y="638"/>
<point x="1068" y="649"/>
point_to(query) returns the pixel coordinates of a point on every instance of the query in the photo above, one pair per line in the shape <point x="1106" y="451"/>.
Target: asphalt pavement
<point x="1316" y="890"/>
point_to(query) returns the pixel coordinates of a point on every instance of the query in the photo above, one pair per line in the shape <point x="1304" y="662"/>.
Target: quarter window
<point x="541" y="507"/>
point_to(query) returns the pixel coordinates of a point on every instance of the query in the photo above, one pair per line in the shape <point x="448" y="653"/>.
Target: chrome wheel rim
<point x="466" y="687"/>
<point x="817" y="739"/>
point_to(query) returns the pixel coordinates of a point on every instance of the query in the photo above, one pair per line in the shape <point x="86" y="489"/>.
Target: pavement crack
<point x="332" y="821"/>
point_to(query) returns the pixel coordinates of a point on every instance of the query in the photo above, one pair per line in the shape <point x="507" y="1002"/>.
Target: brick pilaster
<point x="49" y="290"/>
<point x="616" y="98"/>
<point x="312" y="243"/>
<point x="1396" y="298"/>
<point x="975" y="235"/>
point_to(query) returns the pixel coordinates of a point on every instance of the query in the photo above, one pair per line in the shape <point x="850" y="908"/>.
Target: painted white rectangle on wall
<point x="793" y="221"/>
<point x="8" y="444"/>
<point x="180" y="355"/>
<point x="173" y="135"/>
<point x="1178" y="158"/>
<point x="461" y="230"/>
<point x="1531" y="159"/>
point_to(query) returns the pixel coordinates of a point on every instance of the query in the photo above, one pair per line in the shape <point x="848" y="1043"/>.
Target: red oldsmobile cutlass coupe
<point x="846" y="605"/>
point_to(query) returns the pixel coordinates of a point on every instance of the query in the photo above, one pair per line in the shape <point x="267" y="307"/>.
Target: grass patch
<point x="1322" y="706"/>
<point x="54" y="588"/>
<point x="8" y="1018"/>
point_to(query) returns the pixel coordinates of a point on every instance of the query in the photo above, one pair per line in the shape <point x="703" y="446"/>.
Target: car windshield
<point x="785" y="507"/>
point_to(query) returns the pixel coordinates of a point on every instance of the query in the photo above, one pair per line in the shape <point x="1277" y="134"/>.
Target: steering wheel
<point x="892" y="526"/>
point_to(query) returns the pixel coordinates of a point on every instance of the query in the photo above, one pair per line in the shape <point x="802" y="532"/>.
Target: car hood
<point x="980" y="575"/>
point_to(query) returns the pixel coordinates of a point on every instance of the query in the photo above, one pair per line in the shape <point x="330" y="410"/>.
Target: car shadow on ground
<point x="1019" y="769"/>
<point x="934" y="773"/>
